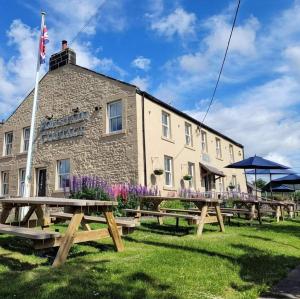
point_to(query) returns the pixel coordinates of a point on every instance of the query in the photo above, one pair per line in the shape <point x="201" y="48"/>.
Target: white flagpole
<point x="28" y="175"/>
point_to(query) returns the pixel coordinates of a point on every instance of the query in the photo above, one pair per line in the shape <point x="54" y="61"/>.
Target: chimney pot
<point x="64" y="45"/>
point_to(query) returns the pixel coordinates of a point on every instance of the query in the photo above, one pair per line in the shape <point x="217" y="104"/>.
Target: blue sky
<point x="173" y="49"/>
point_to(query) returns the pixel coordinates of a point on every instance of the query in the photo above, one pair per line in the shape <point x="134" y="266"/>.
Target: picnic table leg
<point x="220" y="218"/>
<point x="282" y="212"/>
<point x="277" y="213"/>
<point x="67" y="239"/>
<point x="28" y="214"/>
<point x="258" y="213"/>
<point x="112" y="226"/>
<point x="42" y="219"/>
<point x="5" y="213"/>
<point x="201" y="223"/>
<point x="156" y="208"/>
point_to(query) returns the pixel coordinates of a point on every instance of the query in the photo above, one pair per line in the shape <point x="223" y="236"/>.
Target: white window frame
<point x="60" y="176"/>
<point x="188" y="134"/>
<point x="168" y="161"/>
<point x="4" y="184"/>
<point x="191" y="171"/>
<point x="204" y="142"/>
<point x="8" y="146"/>
<point x="234" y="181"/>
<point x="231" y="153"/>
<point x="218" y="148"/>
<point x="21" y="181"/>
<point x="166" y="127"/>
<point x="25" y="141"/>
<point x="118" y="116"/>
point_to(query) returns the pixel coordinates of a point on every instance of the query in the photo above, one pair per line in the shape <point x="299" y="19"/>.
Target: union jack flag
<point x="43" y="41"/>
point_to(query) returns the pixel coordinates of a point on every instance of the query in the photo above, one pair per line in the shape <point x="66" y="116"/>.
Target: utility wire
<point x="86" y="24"/>
<point x="223" y="62"/>
<point x="220" y="73"/>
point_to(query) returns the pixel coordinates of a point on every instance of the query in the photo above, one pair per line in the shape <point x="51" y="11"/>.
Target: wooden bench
<point x="197" y="212"/>
<point x="29" y="233"/>
<point x="126" y="224"/>
<point x="193" y="218"/>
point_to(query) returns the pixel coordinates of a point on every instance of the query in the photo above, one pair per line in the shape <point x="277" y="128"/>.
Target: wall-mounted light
<point x="49" y="117"/>
<point x="75" y="110"/>
<point x="198" y="129"/>
<point x="97" y="108"/>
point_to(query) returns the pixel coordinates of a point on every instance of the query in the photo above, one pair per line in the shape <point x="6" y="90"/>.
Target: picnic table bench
<point x="46" y="239"/>
<point x="163" y="214"/>
<point x="127" y="225"/>
<point x="28" y="233"/>
<point x="201" y="203"/>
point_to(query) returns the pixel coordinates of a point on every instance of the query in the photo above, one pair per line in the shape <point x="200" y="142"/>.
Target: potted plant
<point x="231" y="186"/>
<point x="158" y="171"/>
<point x="187" y="177"/>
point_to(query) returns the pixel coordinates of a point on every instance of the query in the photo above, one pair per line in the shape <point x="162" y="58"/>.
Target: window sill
<point x="22" y="154"/>
<point x="6" y="157"/>
<point x="121" y="132"/>
<point x="190" y="147"/>
<point x="169" y="188"/>
<point x="167" y="139"/>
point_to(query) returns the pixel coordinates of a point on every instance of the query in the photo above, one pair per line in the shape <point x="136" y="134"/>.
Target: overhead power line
<point x="220" y="72"/>
<point x="87" y="23"/>
<point x="223" y="62"/>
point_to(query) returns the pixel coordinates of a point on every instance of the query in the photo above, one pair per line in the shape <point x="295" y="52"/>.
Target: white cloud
<point x="71" y="16"/>
<point x="141" y="63"/>
<point x="141" y="83"/>
<point x="17" y="75"/>
<point x="261" y="118"/>
<point x="179" y="22"/>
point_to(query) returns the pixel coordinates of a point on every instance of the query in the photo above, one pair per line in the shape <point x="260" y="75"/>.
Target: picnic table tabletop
<point x="195" y="199"/>
<point x="52" y="201"/>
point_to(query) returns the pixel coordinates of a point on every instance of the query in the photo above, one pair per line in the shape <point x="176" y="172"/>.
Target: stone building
<point x="92" y="124"/>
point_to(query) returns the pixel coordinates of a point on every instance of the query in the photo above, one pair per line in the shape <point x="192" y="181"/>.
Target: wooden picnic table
<point x="78" y="209"/>
<point x="201" y="203"/>
<point x="256" y="205"/>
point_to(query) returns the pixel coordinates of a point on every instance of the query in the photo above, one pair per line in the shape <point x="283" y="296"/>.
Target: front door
<point x="41" y="184"/>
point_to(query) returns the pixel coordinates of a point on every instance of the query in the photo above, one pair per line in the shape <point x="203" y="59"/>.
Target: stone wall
<point x="110" y="156"/>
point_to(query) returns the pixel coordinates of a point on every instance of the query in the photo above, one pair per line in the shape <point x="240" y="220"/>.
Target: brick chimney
<point x="65" y="56"/>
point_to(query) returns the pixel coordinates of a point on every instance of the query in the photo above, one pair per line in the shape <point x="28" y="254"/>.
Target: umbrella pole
<point x="255" y="183"/>
<point x="271" y="186"/>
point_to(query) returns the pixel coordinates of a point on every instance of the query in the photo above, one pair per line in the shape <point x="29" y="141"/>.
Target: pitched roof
<point x="151" y="98"/>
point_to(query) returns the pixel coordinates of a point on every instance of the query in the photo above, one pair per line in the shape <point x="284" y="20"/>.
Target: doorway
<point x="41" y="182"/>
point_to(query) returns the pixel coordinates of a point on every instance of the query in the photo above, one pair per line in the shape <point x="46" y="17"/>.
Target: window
<point x="166" y="125"/>
<point x="5" y="182"/>
<point x="218" y="148"/>
<point x="8" y="143"/>
<point x="114" y="111"/>
<point x="26" y="133"/>
<point x="22" y="173"/>
<point x="63" y="171"/>
<point x="233" y="181"/>
<point x="203" y="141"/>
<point x="188" y="134"/>
<point x="168" y="171"/>
<point x="221" y="184"/>
<point x="191" y="172"/>
<point x="231" y="154"/>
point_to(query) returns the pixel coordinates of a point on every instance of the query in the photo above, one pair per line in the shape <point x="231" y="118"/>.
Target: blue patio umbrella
<point x="279" y="188"/>
<point x="270" y="172"/>
<point x="289" y="179"/>
<point x="255" y="163"/>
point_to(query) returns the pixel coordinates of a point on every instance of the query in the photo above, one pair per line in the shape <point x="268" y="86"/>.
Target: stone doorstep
<point x="289" y="287"/>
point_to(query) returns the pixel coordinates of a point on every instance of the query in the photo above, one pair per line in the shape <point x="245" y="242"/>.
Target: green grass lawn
<point x="159" y="262"/>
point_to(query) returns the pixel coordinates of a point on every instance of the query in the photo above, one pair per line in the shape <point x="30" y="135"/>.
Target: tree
<point x="260" y="183"/>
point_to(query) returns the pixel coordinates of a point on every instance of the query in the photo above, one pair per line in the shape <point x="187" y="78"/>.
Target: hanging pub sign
<point x="62" y="128"/>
